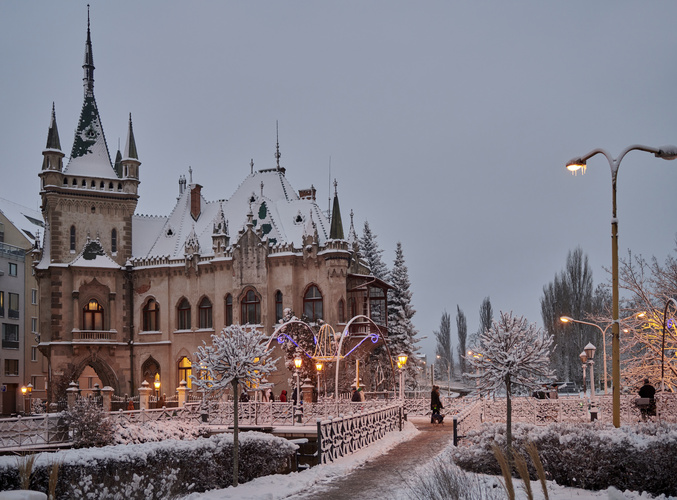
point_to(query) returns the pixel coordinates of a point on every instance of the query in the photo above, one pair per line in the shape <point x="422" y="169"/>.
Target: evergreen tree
<point x="486" y="319"/>
<point x="372" y="253"/>
<point x="462" y="327"/>
<point x="401" y="330"/>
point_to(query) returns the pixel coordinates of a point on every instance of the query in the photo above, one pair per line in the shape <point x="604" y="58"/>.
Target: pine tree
<point x="401" y="330"/>
<point x="372" y="253"/>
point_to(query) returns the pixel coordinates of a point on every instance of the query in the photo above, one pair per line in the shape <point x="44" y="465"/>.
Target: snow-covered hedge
<point x="159" y="470"/>
<point x="590" y="456"/>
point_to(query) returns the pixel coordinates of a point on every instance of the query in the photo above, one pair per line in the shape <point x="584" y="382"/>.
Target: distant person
<point x="130" y="405"/>
<point x="244" y="397"/>
<point x="294" y="396"/>
<point x="436" y="406"/>
<point x="283" y="396"/>
<point x="647" y="390"/>
<point x="356" y="396"/>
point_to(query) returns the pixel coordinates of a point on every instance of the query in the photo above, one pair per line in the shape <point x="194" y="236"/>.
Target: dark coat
<point x="435" y="402"/>
<point x="647" y="391"/>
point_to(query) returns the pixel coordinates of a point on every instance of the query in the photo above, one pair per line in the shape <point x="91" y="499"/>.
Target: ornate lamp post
<point x="584" y="360"/>
<point x="590" y="353"/>
<point x="297" y="363"/>
<point x="401" y="362"/>
<point x="665" y="153"/>
<point x="318" y="367"/>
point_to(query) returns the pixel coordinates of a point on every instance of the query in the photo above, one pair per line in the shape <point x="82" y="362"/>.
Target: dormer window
<point x="114" y="241"/>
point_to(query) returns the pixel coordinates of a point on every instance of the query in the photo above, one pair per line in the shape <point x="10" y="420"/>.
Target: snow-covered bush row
<point x="590" y="456"/>
<point x="158" y="430"/>
<point x="160" y="470"/>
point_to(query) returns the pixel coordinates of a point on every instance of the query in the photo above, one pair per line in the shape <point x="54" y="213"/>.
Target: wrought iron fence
<point x="38" y="431"/>
<point x="341" y="436"/>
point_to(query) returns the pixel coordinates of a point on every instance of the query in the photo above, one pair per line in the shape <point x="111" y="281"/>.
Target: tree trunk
<point x="235" y="441"/>
<point x="508" y="432"/>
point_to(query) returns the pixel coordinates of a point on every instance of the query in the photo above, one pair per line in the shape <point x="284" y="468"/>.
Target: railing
<point x="94" y="334"/>
<point x="338" y="437"/>
<point x="30" y="432"/>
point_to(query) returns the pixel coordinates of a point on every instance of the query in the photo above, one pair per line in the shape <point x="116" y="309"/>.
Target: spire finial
<point x="190" y="173"/>
<point x="88" y="66"/>
<point x="335" y="188"/>
<point x="277" y="147"/>
<point x="251" y="166"/>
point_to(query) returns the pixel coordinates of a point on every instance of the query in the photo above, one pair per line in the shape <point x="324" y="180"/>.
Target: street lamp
<point x="318" y="366"/>
<point x="401" y="362"/>
<point x="584" y="360"/>
<point x="568" y="319"/>
<point x="590" y="353"/>
<point x="665" y="322"/>
<point x="27" y="389"/>
<point x="297" y="363"/>
<point x="665" y="153"/>
<point x="157" y="386"/>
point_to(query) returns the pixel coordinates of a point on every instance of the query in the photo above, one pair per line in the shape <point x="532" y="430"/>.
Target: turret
<point x="130" y="159"/>
<point x="336" y="230"/>
<point x="53" y="156"/>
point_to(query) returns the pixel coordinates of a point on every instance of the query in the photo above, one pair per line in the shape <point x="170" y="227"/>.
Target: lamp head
<point x="402" y="359"/>
<point x="298" y="362"/>
<point x="24" y="389"/>
<point x="29" y="387"/>
<point x="576" y="164"/>
<point x="584" y="357"/>
<point x="157" y="385"/>
<point x="566" y="319"/>
<point x="666" y="153"/>
<point x="318" y="366"/>
<point x="590" y="351"/>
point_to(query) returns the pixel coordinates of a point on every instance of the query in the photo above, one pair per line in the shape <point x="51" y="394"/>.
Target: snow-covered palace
<point x="124" y="297"/>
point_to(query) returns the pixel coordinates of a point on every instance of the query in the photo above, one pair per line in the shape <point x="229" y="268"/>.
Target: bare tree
<point x="462" y="327"/>
<point x="511" y="353"/>
<point x="443" y="336"/>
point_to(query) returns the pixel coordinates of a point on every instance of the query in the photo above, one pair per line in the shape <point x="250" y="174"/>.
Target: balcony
<point x="95" y="335"/>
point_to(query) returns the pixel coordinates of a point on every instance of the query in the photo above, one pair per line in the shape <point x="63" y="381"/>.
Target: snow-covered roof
<point x="25" y="219"/>
<point x="276" y="209"/>
<point x="93" y="255"/>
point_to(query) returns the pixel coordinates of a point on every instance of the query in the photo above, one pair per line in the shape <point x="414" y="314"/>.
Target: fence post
<point x="183" y="393"/>
<point x="107" y="396"/>
<point x="144" y="395"/>
<point x="72" y="393"/>
<point x="319" y="441"/>
<point x="455" y="419"/>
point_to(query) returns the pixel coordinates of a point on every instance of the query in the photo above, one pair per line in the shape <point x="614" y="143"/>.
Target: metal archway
<point x="372" y="336"/>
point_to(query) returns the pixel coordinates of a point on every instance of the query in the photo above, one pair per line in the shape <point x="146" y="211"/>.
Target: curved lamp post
<point x="665" y="322"/>
<point x="665" y="153"/>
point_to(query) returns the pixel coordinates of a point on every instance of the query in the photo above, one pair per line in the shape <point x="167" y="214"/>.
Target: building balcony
<point x="95" y="335"/>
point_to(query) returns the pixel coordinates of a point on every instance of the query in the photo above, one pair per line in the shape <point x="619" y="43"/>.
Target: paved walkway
<point x="384" y="477"/>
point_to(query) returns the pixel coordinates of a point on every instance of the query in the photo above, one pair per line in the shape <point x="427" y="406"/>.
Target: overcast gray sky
<point x="448" y="124"/>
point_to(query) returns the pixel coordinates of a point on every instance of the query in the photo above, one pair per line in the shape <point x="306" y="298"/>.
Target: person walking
<point x="283" y="396"/>
<point x="356" y="396"/>
<point x="647" y="391"/>
<point x="436" y="406"/>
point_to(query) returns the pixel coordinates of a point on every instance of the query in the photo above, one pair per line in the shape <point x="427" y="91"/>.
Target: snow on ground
<point x="282" y="486"/>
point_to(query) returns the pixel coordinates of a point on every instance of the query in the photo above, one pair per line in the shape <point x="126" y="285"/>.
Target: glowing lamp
<point x="402" y="359"/>
<point x="298" y="362"/>
<point x="318" y="366"/>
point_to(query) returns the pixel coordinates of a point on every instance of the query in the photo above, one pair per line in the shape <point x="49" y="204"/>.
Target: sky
<point x="446" y="124"/>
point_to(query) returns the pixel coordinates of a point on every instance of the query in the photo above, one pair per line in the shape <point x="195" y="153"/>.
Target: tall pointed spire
<point x="89" y="155"/>
<point x="53" y="141"/>
<point x="130" y="145"/>
<point x="336" y="231"/>
<point x="88" y="65"/>
<point x="277" y="146"/>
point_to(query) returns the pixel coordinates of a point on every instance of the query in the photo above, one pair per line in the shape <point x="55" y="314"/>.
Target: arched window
<point x="352" y="307"/>
<point x="251" y="309"/>
<point x="342" y="311"/>
<point x="312" y="304"/>
<point x="65" y="181"/>
<point x="75" y="182"/>
<point x="184" y="315"/>
<point x="92" y="316"/>
<point x="151" y="314"/>
<point x="205" y="308"/>
<point x="278" y="306"/>
<point x="72" y="238"/>
<point x="185" y="370"/>
<point x="229" y="310"/>
<point x="114" y="240"/>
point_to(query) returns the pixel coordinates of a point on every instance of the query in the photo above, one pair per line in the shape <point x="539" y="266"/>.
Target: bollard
<point x="455" y="427"/>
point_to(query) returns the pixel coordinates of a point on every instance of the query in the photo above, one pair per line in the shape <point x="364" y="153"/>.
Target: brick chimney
<point x="195" y="207"/>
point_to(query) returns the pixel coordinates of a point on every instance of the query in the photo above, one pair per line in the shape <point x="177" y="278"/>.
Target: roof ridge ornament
<point x="277" y="146"/>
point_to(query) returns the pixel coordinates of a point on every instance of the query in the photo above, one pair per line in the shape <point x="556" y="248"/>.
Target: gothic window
<point x="352" y="307"/>
<point x="114" y="240"/>
<point x="205" y="308"/>
<point x="84" y="183"/>
<point x="341" y="311"/>
<point x="119" y="187"/>
<point x="184" y="315"/>
<point x="110" y="186"/>
<point x="72" y="238"/>
<point x="151" y="314"/>
<point x="229" y="310"/>
<point x="65" y="181"/>
<point x="251" y="309"/>
<point x="278" y="306"/>
<point x="312" y="304"/>
<point x="102" y="185"/>
<point x="185" y="370"/>
<point x="93" y="184"/>
<point x="92" y="316"/>
<point x="377" y="302"/>
<point x="75" y="182"/>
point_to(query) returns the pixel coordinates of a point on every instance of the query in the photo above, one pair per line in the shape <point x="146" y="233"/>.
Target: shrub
<point x="590" y="456"/>
<point x="89" y="424"/>
<point x="160" y="470"/>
